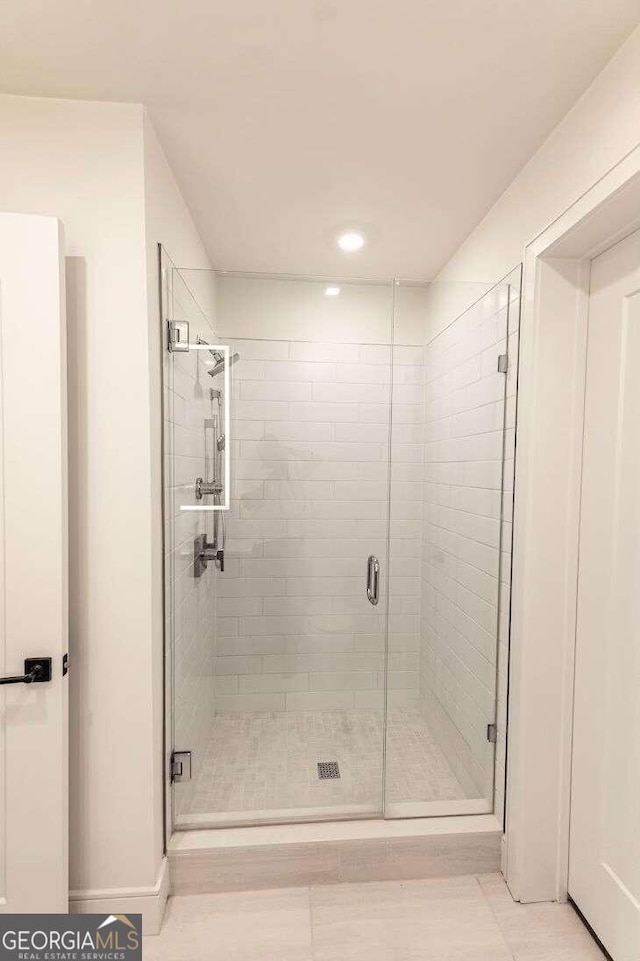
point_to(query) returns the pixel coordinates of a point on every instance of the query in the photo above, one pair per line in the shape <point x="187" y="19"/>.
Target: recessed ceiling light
<point x="332" y="291"/>
<point x="350" y="241"/>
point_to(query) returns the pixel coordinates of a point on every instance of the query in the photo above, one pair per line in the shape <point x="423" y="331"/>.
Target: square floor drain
<point x="328" y="769"/>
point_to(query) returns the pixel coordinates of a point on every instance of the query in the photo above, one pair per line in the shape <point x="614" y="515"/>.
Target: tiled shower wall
<point x="464" y="423"/>
<point x="310" y="460"/>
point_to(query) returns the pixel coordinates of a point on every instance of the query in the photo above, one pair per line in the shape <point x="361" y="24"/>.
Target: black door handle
<point x="36" y="670"/>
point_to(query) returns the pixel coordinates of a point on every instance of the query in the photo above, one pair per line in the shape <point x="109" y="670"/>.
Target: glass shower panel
<point x="195" y="412"/>
<point x="446" y="534"/>
<point x="279" y="654"/>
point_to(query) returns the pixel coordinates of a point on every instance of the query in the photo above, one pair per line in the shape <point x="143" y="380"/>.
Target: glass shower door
<point x="451" y="453"/>
<point x="279" y="652"/>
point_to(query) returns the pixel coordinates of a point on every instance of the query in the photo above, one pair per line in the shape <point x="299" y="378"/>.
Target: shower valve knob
<point x="204" y="487"/>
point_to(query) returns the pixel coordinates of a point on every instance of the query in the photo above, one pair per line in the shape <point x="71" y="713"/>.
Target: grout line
<point x="495" y="916"/>
<point x="312" y="933"/>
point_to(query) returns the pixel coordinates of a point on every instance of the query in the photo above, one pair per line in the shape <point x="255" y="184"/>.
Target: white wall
<point x="98" y="168"/>
<point x="298" y="309"/>
<point x="597" y="133"/>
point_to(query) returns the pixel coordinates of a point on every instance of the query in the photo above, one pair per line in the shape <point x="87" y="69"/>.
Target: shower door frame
<point x="168" y="746"/>
<point x="167" y="671"/>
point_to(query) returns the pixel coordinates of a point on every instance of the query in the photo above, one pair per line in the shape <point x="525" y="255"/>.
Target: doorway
<point x="604" y="868"/>
<point x="558" y="806"/>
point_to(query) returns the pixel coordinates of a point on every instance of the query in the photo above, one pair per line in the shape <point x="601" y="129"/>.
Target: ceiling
<point x="285" y="120"/>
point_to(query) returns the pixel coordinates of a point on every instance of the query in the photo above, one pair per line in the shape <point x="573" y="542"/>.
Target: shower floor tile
<point x="258" y="765"/>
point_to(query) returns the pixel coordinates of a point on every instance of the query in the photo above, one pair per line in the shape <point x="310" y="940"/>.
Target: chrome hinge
<point x="181" y="766"/>
<point x="178" y="339"/>
<point x="492" y="733"/>
<point x="503" y="363"/>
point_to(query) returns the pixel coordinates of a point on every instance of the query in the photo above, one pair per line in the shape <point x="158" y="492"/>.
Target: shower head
<point x="219" y="364"/>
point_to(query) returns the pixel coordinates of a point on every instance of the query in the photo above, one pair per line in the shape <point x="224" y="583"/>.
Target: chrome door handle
<point x="373" y="579"/>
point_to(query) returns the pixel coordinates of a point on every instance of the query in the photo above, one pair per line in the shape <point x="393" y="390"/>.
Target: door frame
<point x="553" y="341"/>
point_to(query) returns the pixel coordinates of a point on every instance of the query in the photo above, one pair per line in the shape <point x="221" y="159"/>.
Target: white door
<point x="604" y="869"/>
<point x="33" y="565"/>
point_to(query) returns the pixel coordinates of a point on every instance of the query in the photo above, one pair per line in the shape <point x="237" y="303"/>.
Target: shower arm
<point x="214" y="353"/>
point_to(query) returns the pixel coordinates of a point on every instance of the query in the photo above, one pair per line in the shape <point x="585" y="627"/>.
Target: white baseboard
<point x="149" y="902"/>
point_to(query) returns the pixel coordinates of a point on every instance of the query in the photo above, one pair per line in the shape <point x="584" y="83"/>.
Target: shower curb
<point x="238" y="859"/>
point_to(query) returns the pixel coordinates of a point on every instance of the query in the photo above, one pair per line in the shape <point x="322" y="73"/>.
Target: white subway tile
<point x="237" y="606"/>
<point x="362" y="374"/>
<point x="239" y="645"/>
<point x="298" y="490"/>
<point x="378" y="413"/>
<point x="333" y="586"/>
<point x="325" y="701"/>
<point x="261" y="349"/>
<point x="343" y="681"/>
<point x="247" y="430"/>
<point x="319" y="644"/>
<point x="248" y="528"/>
<point x="369" y="701"/>
<point x="323" y="663"/>
<point x="275" y="683"/>
<point x="298" y="371"/>
<point x="301" y="432"/>
<point x="238" y="665"/>
<point x="250" y="586"/>
<point x="260" y="410"/>
<point x="249" y="370"/>
<point x="343" y="393"/>
<point x="269" y="390"/>
<point x="250" y="703"/>
<point x="324" y="353"/>
<point x="407" y="394"/>
<point x="379" y="354"/>
<point x="258" y="470"/>
<point x="360" y="490"/>
<point x="324" y="412"/>
<point x="302" y="605"/>
<point x="362" y="433"/>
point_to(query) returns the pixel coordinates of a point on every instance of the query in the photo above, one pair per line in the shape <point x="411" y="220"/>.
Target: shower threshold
<point x="239" y="819"/>
<point x="330" y="852"/>
<point x="336" y="813"/>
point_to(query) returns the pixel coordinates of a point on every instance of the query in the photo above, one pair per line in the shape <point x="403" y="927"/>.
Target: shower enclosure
<point x="338" y="464"/>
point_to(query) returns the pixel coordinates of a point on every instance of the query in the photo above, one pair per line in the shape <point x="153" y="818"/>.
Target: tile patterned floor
<point x="268" y="762"/>
<point x="448" y="919"/>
